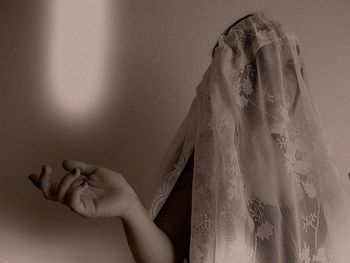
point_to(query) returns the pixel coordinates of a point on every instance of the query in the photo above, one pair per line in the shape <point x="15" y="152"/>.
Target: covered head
<point x="265" y="188"/>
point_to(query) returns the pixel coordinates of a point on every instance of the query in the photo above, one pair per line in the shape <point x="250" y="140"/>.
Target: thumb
<point x="85" y="168"/>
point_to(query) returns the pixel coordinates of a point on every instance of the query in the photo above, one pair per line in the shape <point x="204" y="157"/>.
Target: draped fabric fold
<point x="265" y="188"/>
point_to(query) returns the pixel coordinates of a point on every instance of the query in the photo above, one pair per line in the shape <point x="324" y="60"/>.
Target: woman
<point x="247" y="177"/>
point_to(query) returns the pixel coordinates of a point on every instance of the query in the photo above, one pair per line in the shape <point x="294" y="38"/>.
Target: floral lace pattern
<point x="264" y="186"/>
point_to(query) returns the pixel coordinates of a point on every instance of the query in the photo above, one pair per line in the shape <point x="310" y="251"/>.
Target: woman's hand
<point x="93" y="191"/>
<point x="89" y="190"/>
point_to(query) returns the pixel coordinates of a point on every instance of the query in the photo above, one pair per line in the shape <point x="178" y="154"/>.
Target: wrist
<point x="133" y="210"/>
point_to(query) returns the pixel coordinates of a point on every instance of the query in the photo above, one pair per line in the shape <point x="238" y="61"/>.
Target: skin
<point x="94" y="192"/>
<point x="97" y="192"/>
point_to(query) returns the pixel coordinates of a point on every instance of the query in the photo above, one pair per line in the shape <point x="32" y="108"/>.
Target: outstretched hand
<point x="89" y="190"/>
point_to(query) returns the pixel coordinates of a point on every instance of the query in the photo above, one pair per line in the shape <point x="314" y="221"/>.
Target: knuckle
<point x="75" y="184"/>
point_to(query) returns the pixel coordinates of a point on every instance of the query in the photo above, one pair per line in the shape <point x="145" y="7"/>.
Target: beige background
<point x="157" y="53"/>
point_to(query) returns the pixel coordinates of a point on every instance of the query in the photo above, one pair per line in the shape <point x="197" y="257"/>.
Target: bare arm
<point x="168" y="238"/>
<point x="93" y="192"/>
<point x="148" y="243"/>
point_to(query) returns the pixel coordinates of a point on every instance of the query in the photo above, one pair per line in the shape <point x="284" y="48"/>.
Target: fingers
<point x="74" y="200"/>
<point x="77" y="182"/>
<point x="68" y="191"/>
<point x="43" y="182"/>
<point x="57" y="191"/>
<point x="66" y="183"/>
<point x="35" y="178"/>
<point x="85" y="168"/>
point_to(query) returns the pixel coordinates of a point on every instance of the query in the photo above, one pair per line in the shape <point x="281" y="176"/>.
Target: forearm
<point x="148" y="243"/>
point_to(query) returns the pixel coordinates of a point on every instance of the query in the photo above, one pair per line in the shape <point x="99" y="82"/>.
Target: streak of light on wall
<point x="77" y="54"/>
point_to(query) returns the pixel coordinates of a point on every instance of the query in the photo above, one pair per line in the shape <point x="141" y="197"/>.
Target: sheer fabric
<point x="265" y="188"/>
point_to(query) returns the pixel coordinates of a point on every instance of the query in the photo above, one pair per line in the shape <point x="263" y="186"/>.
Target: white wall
<point x="158" y="51"/>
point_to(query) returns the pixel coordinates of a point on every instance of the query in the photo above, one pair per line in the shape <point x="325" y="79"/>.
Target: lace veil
<point x="265" y="188"/>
